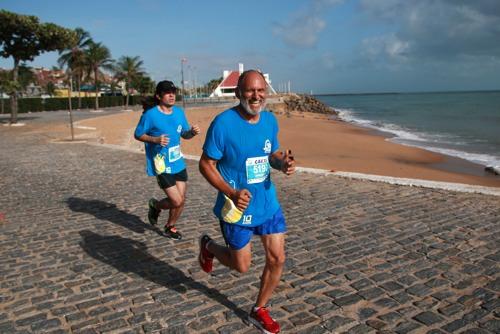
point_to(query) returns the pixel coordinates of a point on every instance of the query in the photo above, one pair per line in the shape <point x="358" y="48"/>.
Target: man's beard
<point x="248" y="110"/>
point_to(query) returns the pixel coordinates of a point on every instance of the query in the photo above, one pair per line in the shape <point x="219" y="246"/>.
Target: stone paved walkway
<point x="76" y="255"/>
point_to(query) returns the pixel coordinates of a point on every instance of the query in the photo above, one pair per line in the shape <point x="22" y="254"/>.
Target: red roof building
<point x="227" y="87"/>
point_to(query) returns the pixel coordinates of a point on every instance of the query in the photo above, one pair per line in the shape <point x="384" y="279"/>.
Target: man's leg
<point x="176" y="196"/>
<point x="274" y="246"/>
<point x="238" y="260"/>
<point x="174" y="202"/>
<point x="237" y="255"/>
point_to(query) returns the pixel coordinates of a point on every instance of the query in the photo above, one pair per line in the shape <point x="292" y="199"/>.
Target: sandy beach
<point x="316" y="142"/>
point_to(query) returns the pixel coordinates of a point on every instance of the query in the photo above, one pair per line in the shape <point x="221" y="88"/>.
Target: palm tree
<point x="74" y="58"/>
<point x="97" y="57"/>
<point x="129" y="69"/>
<point x="144" y="84"/>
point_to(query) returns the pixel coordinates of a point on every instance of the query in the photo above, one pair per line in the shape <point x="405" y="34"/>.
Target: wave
<point x="440" y="143"/>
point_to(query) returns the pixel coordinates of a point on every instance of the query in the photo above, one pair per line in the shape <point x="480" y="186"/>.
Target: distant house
<point x="44" y="76"/>
<point x="227" y="87"/>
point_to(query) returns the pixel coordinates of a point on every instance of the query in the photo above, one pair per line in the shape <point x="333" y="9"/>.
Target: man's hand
<point x="288" y="165"/>
<point x="163" y="140"/>
<point x="241" y="198"/>
<point x="195" y="130"/>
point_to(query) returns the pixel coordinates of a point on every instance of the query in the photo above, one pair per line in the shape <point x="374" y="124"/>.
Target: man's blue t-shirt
<point x="242" y="152"/>
<point x="155" y="123"/>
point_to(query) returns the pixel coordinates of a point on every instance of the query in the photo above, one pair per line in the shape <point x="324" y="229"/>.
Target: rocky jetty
<point x="307" y="103"/>
<point x="300" y="103"/>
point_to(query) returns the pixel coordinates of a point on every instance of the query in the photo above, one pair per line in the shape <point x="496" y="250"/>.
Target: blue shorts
<point x="237" y="236"/>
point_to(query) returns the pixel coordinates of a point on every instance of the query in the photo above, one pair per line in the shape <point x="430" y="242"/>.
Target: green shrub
<point x="36" y="104"/>
<point x="6" y="106"/>
<point x="32" y="104"/>
<point x="56" y="103"/>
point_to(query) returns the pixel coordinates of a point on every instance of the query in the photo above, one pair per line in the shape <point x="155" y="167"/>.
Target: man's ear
<point x="237" y="92"/>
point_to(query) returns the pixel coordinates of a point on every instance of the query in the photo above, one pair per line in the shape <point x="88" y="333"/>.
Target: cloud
<point x="383" y="46"/>
<point x="435" y="29"/>
<point x="303" y="28"/>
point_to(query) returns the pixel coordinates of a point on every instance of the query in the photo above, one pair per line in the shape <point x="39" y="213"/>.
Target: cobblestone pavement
<point x="76" y="255"/>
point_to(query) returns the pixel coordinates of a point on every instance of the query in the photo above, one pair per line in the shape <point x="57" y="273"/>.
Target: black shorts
<point x="168" y="180"/>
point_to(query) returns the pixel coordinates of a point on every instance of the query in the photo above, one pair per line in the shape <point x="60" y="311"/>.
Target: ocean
<point x="460" y="124"/>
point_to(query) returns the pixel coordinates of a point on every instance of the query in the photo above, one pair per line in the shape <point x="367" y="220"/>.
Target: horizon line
<point x="412" y="92"/>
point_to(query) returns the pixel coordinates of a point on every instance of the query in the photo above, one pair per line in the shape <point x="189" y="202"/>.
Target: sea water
<point x="460" y="124"/>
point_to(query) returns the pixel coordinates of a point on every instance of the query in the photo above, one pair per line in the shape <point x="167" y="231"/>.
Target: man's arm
<point x="208" y="168"/>
<point x="163" y="140"/>
<point x="195" y="130"/>
<point x="283" y="161"/>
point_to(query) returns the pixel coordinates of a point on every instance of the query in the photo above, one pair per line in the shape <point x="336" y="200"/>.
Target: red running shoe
<point x="205" y="258"/>
<point x="262" y="320"/>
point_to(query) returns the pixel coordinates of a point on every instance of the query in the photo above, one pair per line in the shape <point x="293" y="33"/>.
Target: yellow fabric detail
<point x="159" y="161"/>
<point x="230" y="213"/>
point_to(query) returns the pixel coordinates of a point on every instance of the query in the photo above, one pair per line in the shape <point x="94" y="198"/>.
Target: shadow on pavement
<point x="108" y="211"/>
<point x="129" y="255"/>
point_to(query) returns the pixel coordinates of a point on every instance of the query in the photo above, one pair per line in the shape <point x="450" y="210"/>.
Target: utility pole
<point x="190" y="82"/>
<point x="70" y="107"/>
<point x="183" y="60"/>
<point x="195" y="87"/>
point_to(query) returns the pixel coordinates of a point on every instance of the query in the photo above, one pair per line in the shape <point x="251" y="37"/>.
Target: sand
<point x="316" y="142"/>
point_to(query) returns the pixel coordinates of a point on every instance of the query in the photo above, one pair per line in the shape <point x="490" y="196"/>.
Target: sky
<point x="318" y="46"/>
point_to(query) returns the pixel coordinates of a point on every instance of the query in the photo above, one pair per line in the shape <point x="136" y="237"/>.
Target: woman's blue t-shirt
<point x="156" y="123"/>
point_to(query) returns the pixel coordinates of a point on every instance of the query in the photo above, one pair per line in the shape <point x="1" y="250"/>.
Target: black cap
<point x="165" y="86"/>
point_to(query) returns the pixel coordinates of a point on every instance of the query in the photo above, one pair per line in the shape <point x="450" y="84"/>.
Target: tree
<point x="25" y="76"/>
<point x="144" y="84"/>
<point x="23" y="38"/>
<point x="74" y="58"/>
<point x="212" y="84"/>
<point x="97" y="57"/>
<point x="128" y="69"/>
<point x="50" y="88"/>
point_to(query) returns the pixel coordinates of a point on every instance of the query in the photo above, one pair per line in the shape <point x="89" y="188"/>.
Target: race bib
<point x="257" y="169"/>
<point x="174" y="153"/>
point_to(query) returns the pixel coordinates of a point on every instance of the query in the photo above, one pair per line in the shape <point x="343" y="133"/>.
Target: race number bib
<point x="174" y="153"/>
<point x="257" y="169"/>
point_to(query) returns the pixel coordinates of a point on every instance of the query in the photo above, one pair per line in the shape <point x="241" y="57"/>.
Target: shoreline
<point x="353" y="148"/>
<point x="451" y="163"/>
<point x="316" y="141"/>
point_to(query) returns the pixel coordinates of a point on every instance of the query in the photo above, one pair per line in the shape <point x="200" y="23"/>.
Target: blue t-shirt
<point x="242" y="152"/>
<point x="155" y="123"/>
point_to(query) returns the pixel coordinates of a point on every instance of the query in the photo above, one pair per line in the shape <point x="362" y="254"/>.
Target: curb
<point x="459" y="187"/>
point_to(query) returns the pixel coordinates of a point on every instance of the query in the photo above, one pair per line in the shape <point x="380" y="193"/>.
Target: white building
<point x="229" y="81"/>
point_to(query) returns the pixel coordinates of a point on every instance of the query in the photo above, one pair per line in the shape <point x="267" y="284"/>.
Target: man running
<point x="161" y="128"/>
<point x="240" y="147"/>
